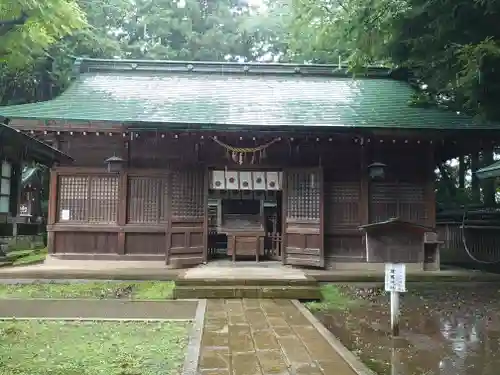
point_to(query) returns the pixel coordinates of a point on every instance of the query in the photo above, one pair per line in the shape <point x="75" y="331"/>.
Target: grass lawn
<point x="147" y="290"/>
<point x="92" y="348"/>
<point x="332" y="299"/>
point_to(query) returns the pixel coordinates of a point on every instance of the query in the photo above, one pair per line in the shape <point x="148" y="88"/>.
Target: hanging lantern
<point x="376" y="170"/>
<point x="115" y="164"/>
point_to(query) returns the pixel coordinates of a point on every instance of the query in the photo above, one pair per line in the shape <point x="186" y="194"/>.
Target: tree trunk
<point x="450" y="185"/>
<point x="461" y="172"/>
<point x="475" y="187"/>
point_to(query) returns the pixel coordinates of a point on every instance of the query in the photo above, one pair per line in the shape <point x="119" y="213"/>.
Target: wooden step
<point x="247" y="291"/>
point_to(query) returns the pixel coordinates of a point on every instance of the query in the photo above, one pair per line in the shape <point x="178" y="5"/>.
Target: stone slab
<point x="269" y="337"/>
<point x="57" y="269"/>
<point x="239" y="273"/>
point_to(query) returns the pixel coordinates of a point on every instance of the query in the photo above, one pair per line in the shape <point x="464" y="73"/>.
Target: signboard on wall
<point x="64" y="215"/>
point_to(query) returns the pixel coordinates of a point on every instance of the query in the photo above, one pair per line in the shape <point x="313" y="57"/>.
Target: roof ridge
<point x="89" y="65"/>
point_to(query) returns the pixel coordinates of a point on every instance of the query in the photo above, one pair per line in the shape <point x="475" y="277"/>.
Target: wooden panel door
<point x="303" y="217"/>
<point x="187" y="229"/>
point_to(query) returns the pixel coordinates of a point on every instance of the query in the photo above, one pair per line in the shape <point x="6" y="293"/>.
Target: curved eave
<point x="36" y="150"/>
<point x="490" y="171"/>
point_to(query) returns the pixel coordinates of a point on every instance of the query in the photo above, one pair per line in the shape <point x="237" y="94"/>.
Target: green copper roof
<point x="490" y="171"/>
<point x="29" y="174"/>
<point x="233" y="95"/>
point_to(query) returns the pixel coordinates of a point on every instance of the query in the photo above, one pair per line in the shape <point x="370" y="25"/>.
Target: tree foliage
<point x="44" y="23"/>
<point x="214" y="30"/>
<point x="450" y="46"/>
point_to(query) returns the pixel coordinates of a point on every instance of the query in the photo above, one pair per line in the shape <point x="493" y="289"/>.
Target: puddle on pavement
<point x="445" y="330"/>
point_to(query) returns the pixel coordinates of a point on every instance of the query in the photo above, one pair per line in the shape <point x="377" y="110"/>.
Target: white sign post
<point x="395" y="283"/>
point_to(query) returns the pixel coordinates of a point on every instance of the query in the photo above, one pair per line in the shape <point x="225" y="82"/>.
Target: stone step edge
<point x="248" y="292"/>
<point x="245" y="282"/>
<point x="250" y="287"/>
<point x="250" y="295"/>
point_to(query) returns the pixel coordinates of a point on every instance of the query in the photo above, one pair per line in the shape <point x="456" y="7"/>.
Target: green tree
<point x="214" y="30"/>
<point x="44" y="22"/>
<point x="450" y="47"/>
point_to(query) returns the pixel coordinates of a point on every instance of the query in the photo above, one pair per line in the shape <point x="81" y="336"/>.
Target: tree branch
<point x="6" y="26"/>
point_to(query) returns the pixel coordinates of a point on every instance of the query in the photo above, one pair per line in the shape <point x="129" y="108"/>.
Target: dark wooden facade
<point x="156" y="207"/>
<point x="16" y="151"/>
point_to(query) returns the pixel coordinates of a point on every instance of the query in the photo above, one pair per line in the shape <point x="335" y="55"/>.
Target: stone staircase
<point x="246" y="282"/>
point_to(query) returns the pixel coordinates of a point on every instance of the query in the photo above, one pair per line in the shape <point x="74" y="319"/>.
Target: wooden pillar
<point x="52" y="214"/>
<point x="364" y="188"/>
<point x="122" y="210"/>
<point x="206" y="185"/>
<point x="123" y="197"/>
<point x="15" y="194"/>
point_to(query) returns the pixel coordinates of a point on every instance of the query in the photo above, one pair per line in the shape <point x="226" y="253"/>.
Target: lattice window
<point x="304" y="190"/>
<point x="5" y="185"/>
<point x="188" y="194"/>
<point x="148" y="200"/>
<point x="403" y="200"/>
<point x="103" y="202"/>
<point x="92" y="199"/>
<point x="342" y="204"/>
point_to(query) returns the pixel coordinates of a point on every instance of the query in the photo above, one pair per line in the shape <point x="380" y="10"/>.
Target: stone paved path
<point x="96" y="309"/>
<point x="261" y="337"/>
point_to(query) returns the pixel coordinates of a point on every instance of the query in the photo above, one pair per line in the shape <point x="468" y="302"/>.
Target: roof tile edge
<point x="89" y="65"/>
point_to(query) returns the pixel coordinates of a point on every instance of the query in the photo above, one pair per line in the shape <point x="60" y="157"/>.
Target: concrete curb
<point x="96" y="275"/>
<point x="14" y="281"/>
<point x="194" y="346"/>
<point x="98" y="309"/>
<point x="165" y="274"/>
<point x="354" y="362"/>
<point x="14" y="319"/>
<point x="152" y="301"/>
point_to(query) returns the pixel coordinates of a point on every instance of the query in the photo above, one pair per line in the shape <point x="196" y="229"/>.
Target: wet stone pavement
<point x="446" y="329"/>
<point x="261" y="337"/>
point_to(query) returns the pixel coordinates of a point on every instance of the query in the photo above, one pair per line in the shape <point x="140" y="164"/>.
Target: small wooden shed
<point x="398" y="241"/>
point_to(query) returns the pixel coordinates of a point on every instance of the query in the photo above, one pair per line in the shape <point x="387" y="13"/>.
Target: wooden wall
<point x="137" y="227"/>
<point x="131" y="214"/>
<point x="352" y="199"/>
<point x="483" y="244"/>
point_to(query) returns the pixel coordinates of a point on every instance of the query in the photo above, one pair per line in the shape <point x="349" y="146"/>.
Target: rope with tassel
<point x="237" y="154"/>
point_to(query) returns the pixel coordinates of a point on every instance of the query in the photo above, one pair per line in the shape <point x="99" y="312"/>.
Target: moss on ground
<point x="92" y="348"/>
<point x="332" y="299"/>
<point x="146" y="290"/>
<point x="30" y="257"/>
<point x="25" y="257"/>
